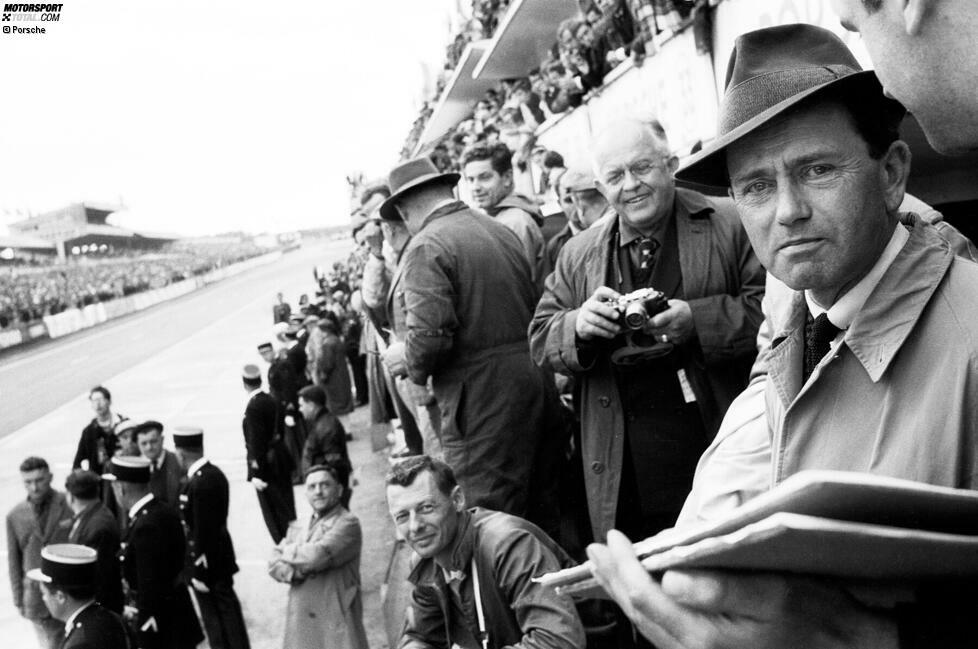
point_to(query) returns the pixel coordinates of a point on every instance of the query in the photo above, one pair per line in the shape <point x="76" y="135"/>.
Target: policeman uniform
<point x="153" y="551"/>
<point x="268" y="457"/>
<point x="204" y="509"/>
<point x="90" y="625"/>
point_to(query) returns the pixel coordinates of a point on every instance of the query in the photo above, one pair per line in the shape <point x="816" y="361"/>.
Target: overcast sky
<point x="212" y="116"/>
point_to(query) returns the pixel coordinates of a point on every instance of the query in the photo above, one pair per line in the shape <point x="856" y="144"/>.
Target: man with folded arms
<point x="873" y="353"/>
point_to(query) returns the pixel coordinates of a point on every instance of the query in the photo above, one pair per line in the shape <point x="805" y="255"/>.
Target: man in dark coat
<point x="468" y="297"/>
<point x="204" y="506"/>
<point x="269" y="463"/>
<point x="650" y="401"/>
<point x="326" y="441"/>
<point x="43" y="518"/>
<point x="95" y="526"/>
<point x="166" y="477"/>
<point x="152" y="561"/>
<point x="281" y="310"/>
<point x="67" y="576"/>
<point x="97" y="442"/>
<point x="332" y="370"/>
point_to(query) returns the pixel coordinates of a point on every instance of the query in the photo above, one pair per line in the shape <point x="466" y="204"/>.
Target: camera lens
<point x="636" y="316"/>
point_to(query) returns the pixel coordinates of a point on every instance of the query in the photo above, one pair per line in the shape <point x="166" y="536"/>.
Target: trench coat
<point x="723" y="282"/>
<point x="737" y="466"/>
<point x="24" y="544"/>
<point x="468" y="296"/>
<point x="321" y="562"/>
<point x="333" y="374"/>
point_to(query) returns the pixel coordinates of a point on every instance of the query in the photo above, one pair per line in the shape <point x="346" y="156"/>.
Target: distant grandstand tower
<point x="81" y="227"/>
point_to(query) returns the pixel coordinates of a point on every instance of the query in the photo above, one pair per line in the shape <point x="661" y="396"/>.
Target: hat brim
<point x="386" y="209"/>
<point x="35" y="574"/>
<point x="708" y="168"/>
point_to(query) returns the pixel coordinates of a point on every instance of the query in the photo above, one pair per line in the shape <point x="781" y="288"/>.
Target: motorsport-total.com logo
<point x="32" y="13"/>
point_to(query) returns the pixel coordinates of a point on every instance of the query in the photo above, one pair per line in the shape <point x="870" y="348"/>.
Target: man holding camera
<point x="652" y="390"/>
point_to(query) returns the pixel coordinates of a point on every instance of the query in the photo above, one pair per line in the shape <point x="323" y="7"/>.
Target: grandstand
<point x="82" y="228"/>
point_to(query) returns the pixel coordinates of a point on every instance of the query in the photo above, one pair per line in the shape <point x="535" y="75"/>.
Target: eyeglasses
<point x="638" y="169"/>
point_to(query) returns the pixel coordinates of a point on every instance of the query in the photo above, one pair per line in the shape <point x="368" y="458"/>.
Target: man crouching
<point x="473" y="587"/>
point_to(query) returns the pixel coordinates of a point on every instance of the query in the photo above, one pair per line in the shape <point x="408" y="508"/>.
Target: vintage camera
<point x="635" y="308"/>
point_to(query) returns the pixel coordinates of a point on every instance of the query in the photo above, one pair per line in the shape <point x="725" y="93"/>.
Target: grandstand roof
<point x="461" y="91"/>
<point x="17" y="241"/>
<point x="526" y="33"/>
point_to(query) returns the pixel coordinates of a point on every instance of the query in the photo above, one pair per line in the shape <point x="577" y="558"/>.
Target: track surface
<point x="179" y="362"/>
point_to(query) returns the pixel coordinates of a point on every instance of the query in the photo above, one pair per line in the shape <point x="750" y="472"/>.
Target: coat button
<point x="597" y="467"/>
<point x="604" y="401"/>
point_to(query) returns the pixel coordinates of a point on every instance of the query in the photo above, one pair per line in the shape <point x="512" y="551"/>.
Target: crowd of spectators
<point x="28" y="293"/>
<point x="602" y="35"/>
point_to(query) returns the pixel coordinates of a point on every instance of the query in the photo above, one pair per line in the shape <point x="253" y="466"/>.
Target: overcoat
<point x="152" y="564"/>
<point x="468" y="298"/>
<point x="321" y="561"/>
<point x="333" y="374"/>
<point x="723" y="282"/>
<point x="24" y="543"/>
<point x="98" y="528"/>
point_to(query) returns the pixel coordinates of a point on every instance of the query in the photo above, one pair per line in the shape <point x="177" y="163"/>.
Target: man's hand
<point x="260" y="485"/>
<point x="130" y="613"/>
<point x="597" y="318"/>
<point x="675" y="323"/>
<point x="373" y="237"/>
<point x="719" y="610"/>
<point x="393" y="358"/>
<point x="199" y="586"/>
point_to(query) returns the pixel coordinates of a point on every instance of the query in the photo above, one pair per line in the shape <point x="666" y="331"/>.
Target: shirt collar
<point x="440" y="204"/>
<point x="254" y="392"/>
<point x="628" y="234"/>
<point x="463" y="546"/>
<point x="71" y="618"/>
<point x="195" y="466"/>
<point x="844" y="311"/>
<point x="139" y="505"/>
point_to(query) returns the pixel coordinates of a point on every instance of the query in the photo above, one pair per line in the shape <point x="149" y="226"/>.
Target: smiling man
<point x="488" y="172"/>
<point x="473" y="587"/>
<point x="651" y="401"/>
<point x="872" y="362"/>
<point x="321" y="563"/>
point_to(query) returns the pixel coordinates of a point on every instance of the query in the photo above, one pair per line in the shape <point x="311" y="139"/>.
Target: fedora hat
<point x="770" y="71"/>
<point x="409" y="175"/>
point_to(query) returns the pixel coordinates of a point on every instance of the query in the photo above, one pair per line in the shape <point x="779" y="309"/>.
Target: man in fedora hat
<point x="468" y="297"/>
<point x="68" y="575"/>
<point x="649" y="400"/>
<point x="159" y="607"/>
<point x="873" y="351"/>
